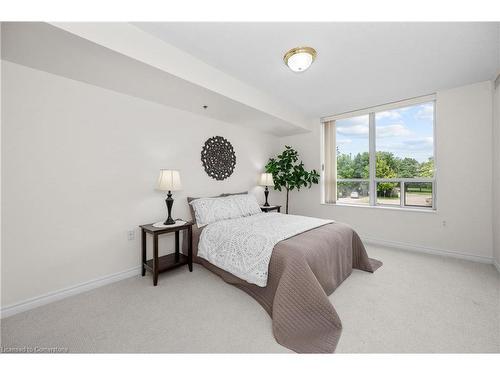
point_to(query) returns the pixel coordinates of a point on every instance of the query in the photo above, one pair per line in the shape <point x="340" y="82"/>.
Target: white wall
<point x="79" y="167"/>
<point x="496" y="174"/>
<point x="1" y="130"/>
<point x="464" y="183"/>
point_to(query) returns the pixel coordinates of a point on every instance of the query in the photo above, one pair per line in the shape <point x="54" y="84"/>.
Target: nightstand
<point x="270" y="208"/>
<point x="169" y="261"/>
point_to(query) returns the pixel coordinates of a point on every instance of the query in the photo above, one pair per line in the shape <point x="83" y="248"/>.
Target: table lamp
<point x="266" y="179"/>
<point x="169" y="180"/>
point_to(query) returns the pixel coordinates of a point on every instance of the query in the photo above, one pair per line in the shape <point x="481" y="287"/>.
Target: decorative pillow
<point x="210" y="210"/>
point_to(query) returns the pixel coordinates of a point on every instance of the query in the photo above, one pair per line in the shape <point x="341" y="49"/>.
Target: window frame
<point x="373" y="180"/>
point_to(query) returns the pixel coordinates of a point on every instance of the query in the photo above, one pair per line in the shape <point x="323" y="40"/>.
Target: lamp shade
<point x="169" y="180"/>
<point x="266" y="179"/>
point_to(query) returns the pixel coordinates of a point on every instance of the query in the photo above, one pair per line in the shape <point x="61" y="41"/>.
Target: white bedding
<point x="243" y="246"/>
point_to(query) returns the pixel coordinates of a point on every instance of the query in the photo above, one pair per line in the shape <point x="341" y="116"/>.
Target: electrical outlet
<point x="444" y="223"/>
<point x="131" y="235"/>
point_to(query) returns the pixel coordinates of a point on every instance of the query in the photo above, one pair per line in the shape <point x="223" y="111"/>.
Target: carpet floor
<point x="415" y="303"/>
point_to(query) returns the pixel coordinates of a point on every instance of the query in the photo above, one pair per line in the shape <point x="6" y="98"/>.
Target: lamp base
<point x="169" y="201"/>
<point x="266" y="193"/>
<point x="169" y="221"/>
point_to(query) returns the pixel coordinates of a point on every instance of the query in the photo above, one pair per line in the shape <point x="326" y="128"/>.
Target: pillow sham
<point x="247" y="204"/>
<point x="191" y="210"/>
<point x="210" y="210"/>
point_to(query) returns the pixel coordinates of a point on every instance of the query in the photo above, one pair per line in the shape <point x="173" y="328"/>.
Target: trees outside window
<point x="386" y="156"/>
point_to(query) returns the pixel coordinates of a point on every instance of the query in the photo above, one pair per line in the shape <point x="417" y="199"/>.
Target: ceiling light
<point x="300" y="58"/>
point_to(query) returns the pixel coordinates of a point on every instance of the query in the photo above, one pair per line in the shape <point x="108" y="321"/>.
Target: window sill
<point x="406" y="209"/>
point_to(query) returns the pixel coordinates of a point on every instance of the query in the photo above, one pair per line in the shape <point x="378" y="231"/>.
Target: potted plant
<point x="289" y="173"/>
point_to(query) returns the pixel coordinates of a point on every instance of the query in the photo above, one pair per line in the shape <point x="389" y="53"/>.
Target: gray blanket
<point x="303" y="271"/>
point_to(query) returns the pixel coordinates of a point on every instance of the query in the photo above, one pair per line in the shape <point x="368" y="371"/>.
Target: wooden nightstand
<point x="169" y="261"/>
<point x="270" y="208"/>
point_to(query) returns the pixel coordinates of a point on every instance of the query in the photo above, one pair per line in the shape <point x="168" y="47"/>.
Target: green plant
<point x="289" y="173"/>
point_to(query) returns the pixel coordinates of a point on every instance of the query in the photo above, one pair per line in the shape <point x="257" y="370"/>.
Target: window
<point x="382" y="156"/>
<point x="353" y="164"/>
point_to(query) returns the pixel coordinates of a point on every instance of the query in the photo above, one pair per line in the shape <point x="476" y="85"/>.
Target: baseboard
<point x="496" y="263"/>
<point x="428" y="250"/>
<point x="67" y="292"/>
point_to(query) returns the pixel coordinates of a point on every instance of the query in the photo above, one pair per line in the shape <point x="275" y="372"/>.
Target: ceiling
<point x="358" y="64"/>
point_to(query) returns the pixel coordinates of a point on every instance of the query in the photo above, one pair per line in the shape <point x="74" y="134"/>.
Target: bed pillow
<point x="191" y="210"/>
<point x="247" y="204"/>
<point x="211" y="210"/>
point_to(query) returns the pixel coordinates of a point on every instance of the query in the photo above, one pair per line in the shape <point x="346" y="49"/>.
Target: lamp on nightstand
<point x="169" y="180"/>
<point x="266" y="179"/>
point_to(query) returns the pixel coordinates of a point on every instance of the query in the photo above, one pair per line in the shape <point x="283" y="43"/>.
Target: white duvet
<point x="243" y="246"/>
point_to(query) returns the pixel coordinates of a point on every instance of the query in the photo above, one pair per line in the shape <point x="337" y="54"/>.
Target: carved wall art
<point x="218" y="158"/>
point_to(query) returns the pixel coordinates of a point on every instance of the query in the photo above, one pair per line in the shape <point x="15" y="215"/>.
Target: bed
<point x="308" y="260"/>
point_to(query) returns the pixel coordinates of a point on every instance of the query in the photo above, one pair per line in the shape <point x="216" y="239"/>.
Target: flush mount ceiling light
<point x="300" y="58"/>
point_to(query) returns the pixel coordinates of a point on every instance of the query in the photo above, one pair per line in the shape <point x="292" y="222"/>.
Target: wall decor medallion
<point x="218" y="158"/>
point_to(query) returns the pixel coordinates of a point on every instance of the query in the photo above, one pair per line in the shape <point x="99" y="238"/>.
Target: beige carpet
<point x="414" y="303"/>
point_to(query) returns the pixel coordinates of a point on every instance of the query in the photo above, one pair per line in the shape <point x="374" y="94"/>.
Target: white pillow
<point x="210" y="210"/>
<point x="247" y="204"/>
